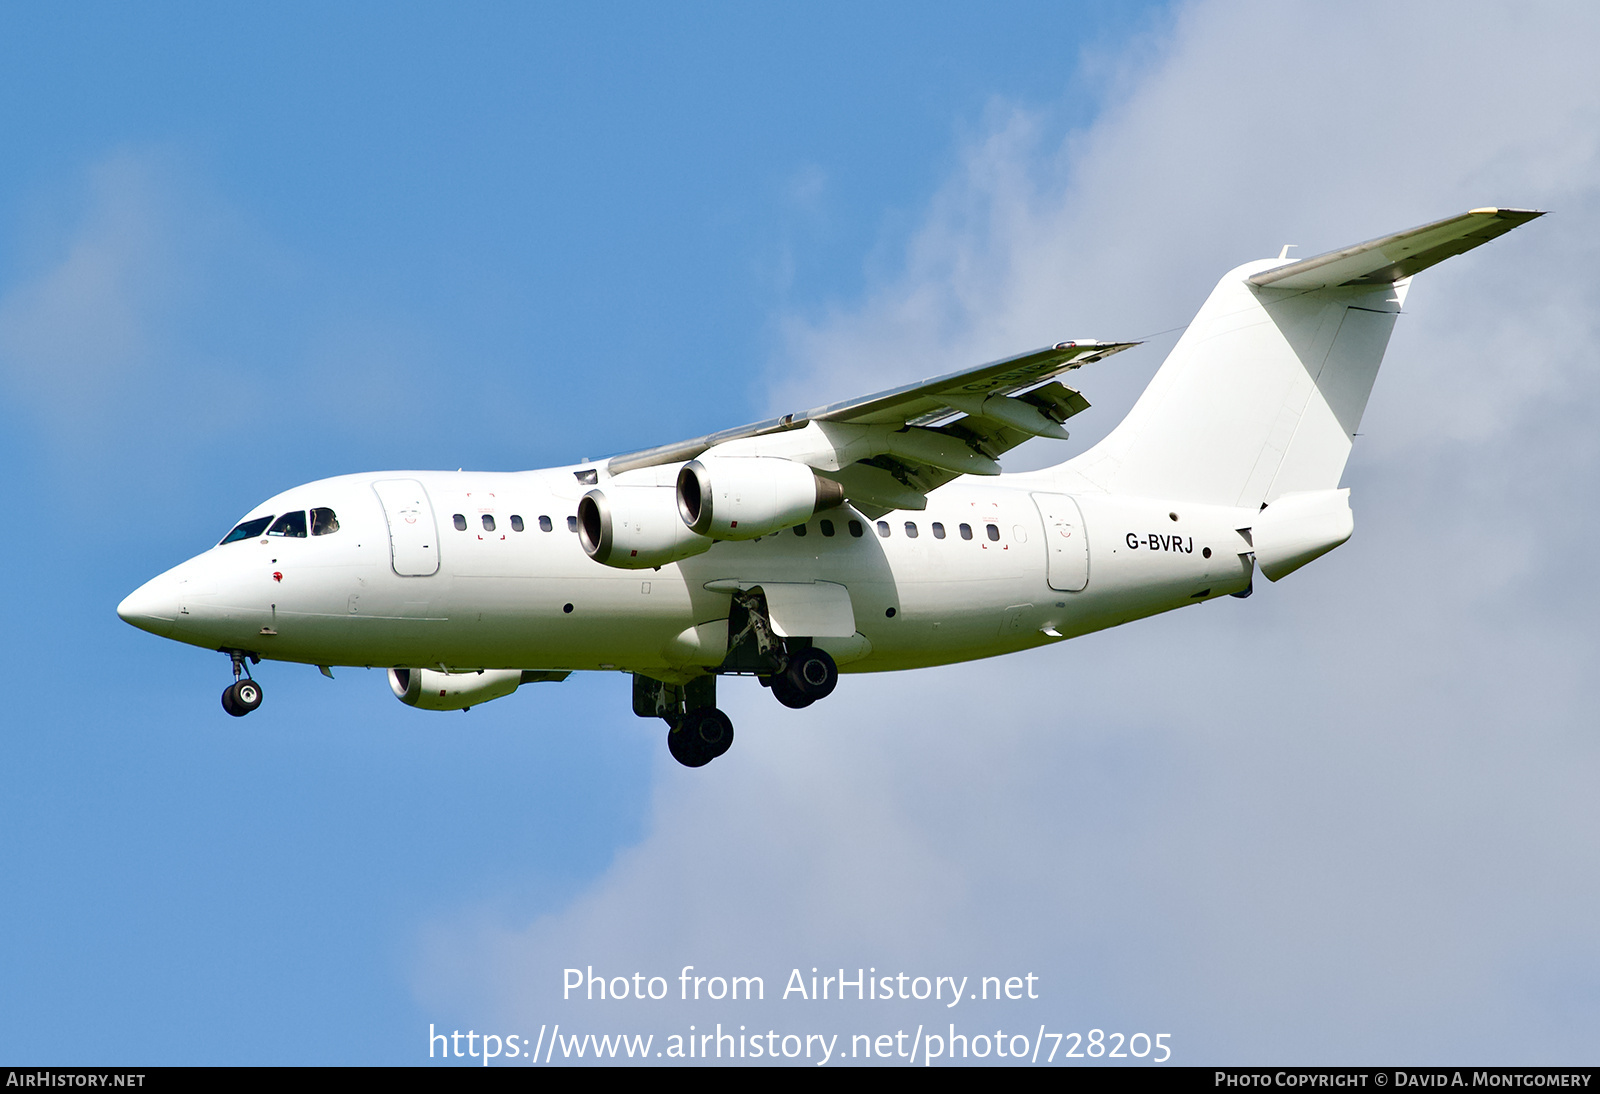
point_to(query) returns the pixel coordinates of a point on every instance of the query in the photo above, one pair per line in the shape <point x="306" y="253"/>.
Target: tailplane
<point x="1262" y="395"/>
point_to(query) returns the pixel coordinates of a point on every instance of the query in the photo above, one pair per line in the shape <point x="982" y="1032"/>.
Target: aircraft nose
<point x="151" y="607"/>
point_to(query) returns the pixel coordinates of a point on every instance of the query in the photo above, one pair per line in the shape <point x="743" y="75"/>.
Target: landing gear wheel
<point x="812" y="673"/>
<point x="784" y="690"/>
<point x="244" y="694"/>
<point x="241" y="697"/>
<point x="721" y="728"/>
<point x="700" y="737"/>
<point x="247" y="693"/>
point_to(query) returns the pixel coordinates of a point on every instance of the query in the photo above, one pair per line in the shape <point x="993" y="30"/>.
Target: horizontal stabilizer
<point x="1388" y="259"/>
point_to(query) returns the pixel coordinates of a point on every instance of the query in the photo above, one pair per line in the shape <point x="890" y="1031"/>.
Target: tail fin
<point x="1264" y="392"/>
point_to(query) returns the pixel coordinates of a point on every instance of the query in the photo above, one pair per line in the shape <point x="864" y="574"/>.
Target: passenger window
<point x="572" y="524"/>
<point x="966" y="531"/>
<point x="856" y="529"/>
<point x="488" y="523"/>
<point x="938" y="530"/>
<point x="250" y="529"/>
<point x="292" y="525"/>
<point x="799" y="529"/>
<point x="994" y="533"/>
<point x="827" y="527"/>
<point x="883" y="529"/>
<point x="323" y="522"/>
<point x="544" y="524"/>
<point x="911" y="530"/>
<point x="460" y="522"/>
<point x="516" y="523"/>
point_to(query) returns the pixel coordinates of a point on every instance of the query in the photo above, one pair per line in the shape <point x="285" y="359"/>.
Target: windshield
<point x="292" y="525"/>
<point x="250" y="529"/>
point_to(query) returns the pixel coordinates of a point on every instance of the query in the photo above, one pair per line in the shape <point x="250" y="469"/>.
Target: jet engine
<point x="742" y="497"/>
<point x="634" y="527"/>
<point x="430" y="690"/>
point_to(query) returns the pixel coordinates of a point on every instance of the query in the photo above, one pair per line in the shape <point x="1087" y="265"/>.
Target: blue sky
<point x="240" y="251"/>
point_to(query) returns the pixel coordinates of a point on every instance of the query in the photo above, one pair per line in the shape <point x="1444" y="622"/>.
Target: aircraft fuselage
<point x="968" y="577"/>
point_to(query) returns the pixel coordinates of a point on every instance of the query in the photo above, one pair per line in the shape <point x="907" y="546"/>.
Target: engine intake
<point x="635" y="527"/>
<point x="743" y="497"/>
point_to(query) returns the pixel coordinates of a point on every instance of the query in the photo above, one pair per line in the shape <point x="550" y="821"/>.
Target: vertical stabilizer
<point x="1264" y="392"/>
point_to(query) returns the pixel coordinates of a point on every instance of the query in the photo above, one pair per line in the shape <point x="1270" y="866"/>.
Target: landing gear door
<point x="813" y="609"/>
<point x="1065" y="542"/>
<point x="413" y="535"/>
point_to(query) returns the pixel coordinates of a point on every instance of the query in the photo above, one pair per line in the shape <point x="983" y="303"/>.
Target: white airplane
<point x="869" y="535"/>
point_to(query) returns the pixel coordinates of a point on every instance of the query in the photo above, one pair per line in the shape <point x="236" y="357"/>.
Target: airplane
<point x="864" y="536"/>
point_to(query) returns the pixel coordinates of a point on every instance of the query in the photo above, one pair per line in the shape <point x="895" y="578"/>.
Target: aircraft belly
<point x="618" y="619"/>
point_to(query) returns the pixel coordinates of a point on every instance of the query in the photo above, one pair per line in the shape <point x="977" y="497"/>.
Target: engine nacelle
<point x="430" y="690"/>
<point x="634" y="527"/>
<point x="742" y="497"/>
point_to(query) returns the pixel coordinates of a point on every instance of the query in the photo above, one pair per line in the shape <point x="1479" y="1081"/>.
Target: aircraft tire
<point x="785" y="691"/>
<point x="241" y="697"/>
<point x="684" y="749"/>
<point x="716" y="730"/>
<point x="700" y="737"/>
<point x="813" y="674"/>
<point x="247" y="693"/>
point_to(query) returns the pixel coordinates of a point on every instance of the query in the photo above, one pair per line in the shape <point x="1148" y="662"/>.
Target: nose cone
<point x="151" y="607"/>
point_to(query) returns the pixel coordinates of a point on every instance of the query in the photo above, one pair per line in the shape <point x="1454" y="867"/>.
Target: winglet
<point x="1390" y="258"/>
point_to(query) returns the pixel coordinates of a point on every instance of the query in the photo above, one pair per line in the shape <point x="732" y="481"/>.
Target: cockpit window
<point x="292" y="525"/>
<point x="323" y="522"/>
<point x="250" y="529"/>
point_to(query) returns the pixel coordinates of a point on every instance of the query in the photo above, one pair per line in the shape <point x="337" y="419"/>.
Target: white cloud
<point x="75" y="334"/>
<point x="1350" y="819"/>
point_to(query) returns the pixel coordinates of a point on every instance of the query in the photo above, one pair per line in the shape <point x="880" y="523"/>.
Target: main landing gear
<point x="243" y="695"/>
<point x="797" y="672"/>
<point x="810" y="675"/>
<point x="697" y="731"/>
<point x="700" y="737"/>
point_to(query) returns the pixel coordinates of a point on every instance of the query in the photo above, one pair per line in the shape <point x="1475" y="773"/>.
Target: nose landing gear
<point x="243" y="695"/>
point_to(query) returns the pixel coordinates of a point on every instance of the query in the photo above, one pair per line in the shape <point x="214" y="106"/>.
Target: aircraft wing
<point x="889" y="449"/>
